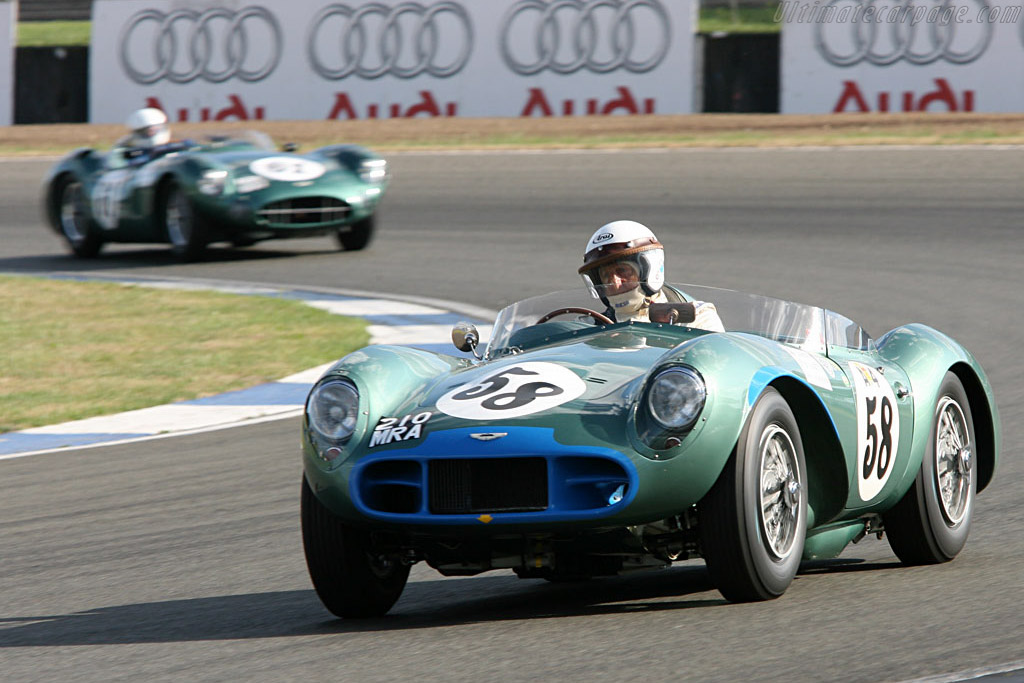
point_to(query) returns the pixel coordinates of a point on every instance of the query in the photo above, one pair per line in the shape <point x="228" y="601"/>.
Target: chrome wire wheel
<point x="178" y="219"/>
<point x="932" y="520"/>
<point x="781" y="491"/>
<point x="753" y="522"/>
<point x="954" y="461"/>
<point x="72" y="212"/>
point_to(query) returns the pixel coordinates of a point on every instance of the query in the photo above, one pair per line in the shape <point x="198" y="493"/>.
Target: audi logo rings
<point x="217" y="41"/>
<point x="867" y="42"/>
<point x="408" y="40"/>
<point x="580" y="24"/>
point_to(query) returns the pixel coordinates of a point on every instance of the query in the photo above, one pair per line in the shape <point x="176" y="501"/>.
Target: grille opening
<point x="304" y="211"/>
<point x="393" y="486"/>
<point x="462" y="486"/>
<point x="395" y="498"/>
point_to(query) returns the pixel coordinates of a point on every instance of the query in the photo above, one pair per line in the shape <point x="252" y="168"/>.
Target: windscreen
<point x="783" y="321"/>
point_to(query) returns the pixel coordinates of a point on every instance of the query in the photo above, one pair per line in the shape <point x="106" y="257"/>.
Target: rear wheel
<point x="184" y="228"/>
<point x="753" y="522"/>
<point x="72" y="214"/>
<point x="931" y="522"/>
<point x="349" y="577"/>
<point x="357" y="235"/>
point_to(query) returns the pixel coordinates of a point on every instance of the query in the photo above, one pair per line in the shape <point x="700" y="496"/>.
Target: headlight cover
<point x="333" y="409"/>
<point x="675" y="398"/>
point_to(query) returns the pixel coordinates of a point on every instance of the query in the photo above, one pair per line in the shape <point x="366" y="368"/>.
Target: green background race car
<point x="240" y="190"/>
<point x="577" y="447"/>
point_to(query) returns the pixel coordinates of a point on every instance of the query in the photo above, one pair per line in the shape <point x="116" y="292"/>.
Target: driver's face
<point x="619" y="277"/>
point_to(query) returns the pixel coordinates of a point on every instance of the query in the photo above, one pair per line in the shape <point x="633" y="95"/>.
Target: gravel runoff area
<point x="694" y="130"/>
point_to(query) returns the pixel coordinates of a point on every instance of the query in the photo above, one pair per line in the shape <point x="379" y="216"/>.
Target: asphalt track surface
<point x="181" y="558"/>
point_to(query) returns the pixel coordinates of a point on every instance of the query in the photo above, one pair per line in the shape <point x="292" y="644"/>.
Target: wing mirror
<point x="466" y="338"/>
<point x="290" y="147"/>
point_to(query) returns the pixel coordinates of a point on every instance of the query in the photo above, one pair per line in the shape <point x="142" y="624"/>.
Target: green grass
<point x="73" y="350"/>
<point x="53" y="33"/>
<point x="712" y="19"/>
<point x="746" y="20"/>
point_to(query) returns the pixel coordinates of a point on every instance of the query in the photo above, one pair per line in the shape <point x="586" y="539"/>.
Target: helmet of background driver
<point x="149" y="127"/>
<point x="629" y="243"/>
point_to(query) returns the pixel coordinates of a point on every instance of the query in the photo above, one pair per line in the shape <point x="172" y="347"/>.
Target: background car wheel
<point x="184" y="228"/>
<point x="356" y="236"/>
<point x="753" y="522"/>
<point x="350" y="580"/>
<point x="931" y="522"/>
<point x="73" y="221"/>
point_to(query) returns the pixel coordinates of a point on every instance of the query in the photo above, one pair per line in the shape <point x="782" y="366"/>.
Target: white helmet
<point x="625" y="242"/>
<point x="149" y="127"/>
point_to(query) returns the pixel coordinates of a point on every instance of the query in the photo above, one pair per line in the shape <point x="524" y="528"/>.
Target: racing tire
<point x="753" y="522"/>
<point x="356" y="236"/>
<point x="73" y="221"/>
<point x="184" y="228"/>
<point x="349" y="579"/>
<point x="929" y="525"/>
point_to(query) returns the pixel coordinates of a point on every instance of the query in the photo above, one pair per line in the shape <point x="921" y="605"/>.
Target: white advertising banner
<point x="8" y="40"/>
<point x="901" y="56"/>
<point x="313" y="59"/>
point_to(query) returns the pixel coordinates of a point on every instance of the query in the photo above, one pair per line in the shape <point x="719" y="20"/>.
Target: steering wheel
<point x="598" y="317"/>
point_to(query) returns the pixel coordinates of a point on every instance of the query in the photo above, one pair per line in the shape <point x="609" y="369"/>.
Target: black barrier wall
<point x="740" y="74"/>
<point x="51" y="84"/>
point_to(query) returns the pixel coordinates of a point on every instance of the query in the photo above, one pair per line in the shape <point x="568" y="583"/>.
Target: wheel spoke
<point x="953" y="477"/>
<point x="779" y="502"/>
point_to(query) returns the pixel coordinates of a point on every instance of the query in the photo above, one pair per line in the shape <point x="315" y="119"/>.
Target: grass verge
<point x="73" y="350"/>
<point x="570" y="132"/>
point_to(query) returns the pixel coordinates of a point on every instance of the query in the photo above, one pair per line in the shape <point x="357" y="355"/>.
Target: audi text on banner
<point x="223" y="60"/>
<point x="914" y="56"/>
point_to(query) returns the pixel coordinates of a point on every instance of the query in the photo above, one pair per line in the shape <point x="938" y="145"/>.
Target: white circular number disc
<point x="513" y="391"/>
<point x="287" y="169"/>
<point x="878" y="429"/>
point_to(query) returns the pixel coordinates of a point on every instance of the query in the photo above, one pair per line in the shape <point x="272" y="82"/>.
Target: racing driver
<point x="624" y="267"/>
<point x="150" y="136"/>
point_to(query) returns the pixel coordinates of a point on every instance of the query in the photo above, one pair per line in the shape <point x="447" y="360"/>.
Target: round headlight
<point x="676" y="397"/>
<point x="333" y="409"/>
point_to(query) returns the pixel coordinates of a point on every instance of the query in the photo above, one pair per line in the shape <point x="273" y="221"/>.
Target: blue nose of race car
<point x="501" y="475"/>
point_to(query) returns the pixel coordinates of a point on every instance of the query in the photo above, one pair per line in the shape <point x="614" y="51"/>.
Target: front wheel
<point x="357" y="235"/>
<point x="351" y="579"/>
<point x="931" y="522"/>
<point x="72" y="214"/>
<point x="753" y="522"/>
<point x="184" y="227"/>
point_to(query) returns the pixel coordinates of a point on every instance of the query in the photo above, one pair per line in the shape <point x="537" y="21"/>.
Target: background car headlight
<point x="676" y="397"/>
<point x="373" y="170"/>
<point x="212" y="182"/>
<point x="333" y="409"/>
<point x="251" y="183"/>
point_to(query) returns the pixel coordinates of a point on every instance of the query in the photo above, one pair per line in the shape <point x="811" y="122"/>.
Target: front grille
<point x="462" y="486"/>
<point x="304" y="211"/>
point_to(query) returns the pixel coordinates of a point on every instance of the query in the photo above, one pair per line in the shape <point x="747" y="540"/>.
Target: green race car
<point x="576" y="447"/>
<point x="239" y="190"/>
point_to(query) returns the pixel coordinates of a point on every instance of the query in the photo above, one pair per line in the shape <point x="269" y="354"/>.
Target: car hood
<point x="596" y="375"/>
<point x="276" y="166"/>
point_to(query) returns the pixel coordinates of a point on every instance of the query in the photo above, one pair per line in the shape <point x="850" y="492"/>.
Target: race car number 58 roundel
<point x="513" y="391"/>
<point x="878" y="424"/>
